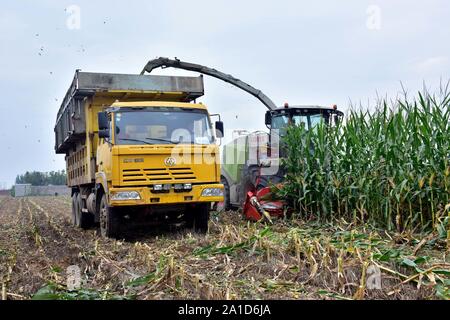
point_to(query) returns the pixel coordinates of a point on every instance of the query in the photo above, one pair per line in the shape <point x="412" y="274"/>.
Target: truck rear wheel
<point x="73" y="219"/>
<point x="109" y="222"/>
<point x="85" y="220"/>
<point x="197" y="218"/>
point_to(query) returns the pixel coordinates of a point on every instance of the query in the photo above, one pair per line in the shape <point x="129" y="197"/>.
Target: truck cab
<point x="158" y="153"/>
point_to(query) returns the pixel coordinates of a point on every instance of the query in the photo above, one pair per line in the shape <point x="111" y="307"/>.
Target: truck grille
<point x="157" y="174"/>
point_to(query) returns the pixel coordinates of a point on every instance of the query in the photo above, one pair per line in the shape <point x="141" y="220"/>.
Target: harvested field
<point x="236" y="260"/>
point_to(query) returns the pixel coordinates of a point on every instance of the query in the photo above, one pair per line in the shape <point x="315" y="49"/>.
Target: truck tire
<point x="201" y="219"/>
<point x="85" y="220"/>
<point x="197" y="218"/>
<point x="109" y="222"/>
<point x="189" y="218"/>
<point x="74" y="215"/>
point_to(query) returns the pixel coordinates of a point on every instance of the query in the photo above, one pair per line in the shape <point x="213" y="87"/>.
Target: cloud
<point x="438" y="64"/>
<point x="10" y="21"/>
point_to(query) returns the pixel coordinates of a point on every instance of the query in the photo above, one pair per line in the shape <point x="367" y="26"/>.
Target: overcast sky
<point x="315" y="52"/>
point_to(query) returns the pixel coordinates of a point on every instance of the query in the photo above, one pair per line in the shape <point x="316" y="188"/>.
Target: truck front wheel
<point x="109" y="223"/>
<point x="197" y="218"/>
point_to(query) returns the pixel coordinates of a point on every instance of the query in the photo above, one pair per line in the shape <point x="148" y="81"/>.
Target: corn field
<point x="291" y="259"/>
<point x="389" y="167"/>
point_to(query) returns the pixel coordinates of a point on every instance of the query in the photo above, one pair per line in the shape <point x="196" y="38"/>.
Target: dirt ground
<point x="236" y="260"/>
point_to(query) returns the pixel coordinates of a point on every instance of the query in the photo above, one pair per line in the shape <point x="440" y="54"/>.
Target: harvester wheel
<point x="74" y="215"/>
<point x="262" y="183"/>
<point x="225" y="205"/>
<point x="109" y="222"/>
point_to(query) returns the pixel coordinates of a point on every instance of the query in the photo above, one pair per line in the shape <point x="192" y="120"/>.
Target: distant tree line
<point x="36" y="178"/>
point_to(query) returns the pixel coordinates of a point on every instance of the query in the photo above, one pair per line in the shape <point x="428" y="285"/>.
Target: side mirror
<point x="103" y="125"/>
<point x="268" y="118"/>
<point x="219" y="129"/>
<point x="103" y="121"/>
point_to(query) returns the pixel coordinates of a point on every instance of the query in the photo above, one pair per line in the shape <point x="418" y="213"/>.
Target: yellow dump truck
<point x="138" y="147"/>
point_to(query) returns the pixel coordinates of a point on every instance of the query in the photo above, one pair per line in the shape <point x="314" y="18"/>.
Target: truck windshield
<point x="169" y="126"/>
<point x="281" y="122"/>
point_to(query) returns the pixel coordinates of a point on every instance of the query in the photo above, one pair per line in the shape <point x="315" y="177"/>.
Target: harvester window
<point x="308" y="121"/>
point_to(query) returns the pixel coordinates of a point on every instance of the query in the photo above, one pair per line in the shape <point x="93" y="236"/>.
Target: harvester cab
<point x="278" y="120"/>
<point x="307" y="116"/>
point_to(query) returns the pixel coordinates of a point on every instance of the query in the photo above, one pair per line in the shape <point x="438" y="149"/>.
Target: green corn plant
<point x="388" y="166"/>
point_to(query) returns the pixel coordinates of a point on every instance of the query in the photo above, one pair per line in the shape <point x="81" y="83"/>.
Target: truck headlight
<point x="212" y="192"/>
<point x="126" y="195"/>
